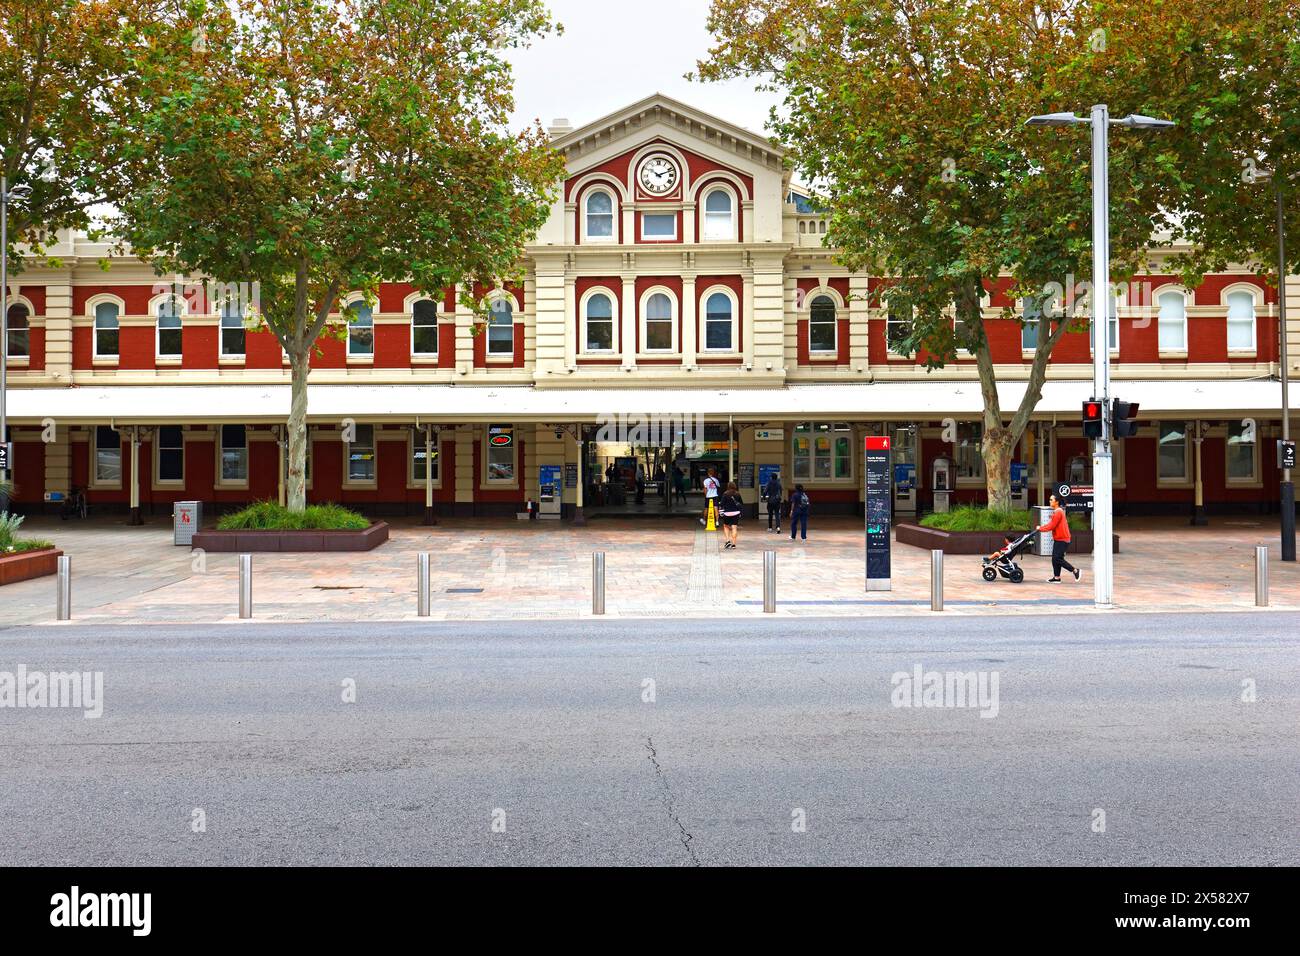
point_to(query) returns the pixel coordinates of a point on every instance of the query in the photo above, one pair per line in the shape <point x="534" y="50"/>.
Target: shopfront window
<point x="969" y="462"/>
<point x="823" y="450"/>
<point x="361" y="454"/>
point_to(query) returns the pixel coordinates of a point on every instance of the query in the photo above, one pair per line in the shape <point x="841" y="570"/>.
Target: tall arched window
<point x="501" y="327"/>
<point x="424" y="327"/>
<point x="600" y="215"/>
<point x="660" y="330"/>
<point x="822" y="325"/>
<point x="1241" y="322"/>
<point x="719" y="323"/>
<point x="599" y="319"/>
<point x="106" y="325"/>
<point x="719" y="216"/>
<point x="20" y="332"/>
<point x="361" y="329"/>
<point x="1172" y="322"/>
<point x="168" y="336"/>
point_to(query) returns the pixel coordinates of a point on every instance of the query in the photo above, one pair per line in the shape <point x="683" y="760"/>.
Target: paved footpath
<point x="505" y="569"/>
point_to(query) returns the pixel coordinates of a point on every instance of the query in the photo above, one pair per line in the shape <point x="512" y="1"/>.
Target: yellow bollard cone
<point x="712" y="523"/>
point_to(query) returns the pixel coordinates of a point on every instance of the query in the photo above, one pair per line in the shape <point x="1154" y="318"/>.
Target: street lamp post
<point x="1100" y="121"/>
<point x="6" y="194"/>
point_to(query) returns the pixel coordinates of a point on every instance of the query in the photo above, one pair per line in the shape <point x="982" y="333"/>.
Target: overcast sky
<point x="615" y="52"/>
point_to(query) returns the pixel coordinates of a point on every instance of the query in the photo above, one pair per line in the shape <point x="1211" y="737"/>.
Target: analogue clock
<point x="658" y="175"/>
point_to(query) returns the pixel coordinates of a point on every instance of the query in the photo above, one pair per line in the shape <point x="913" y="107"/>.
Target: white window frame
<point x="373" y="480"/>
<point x="357" y="357"/>
<point x="95" y="480"/>
<point x="837" y="429"/>
<point x="1256" y="304"/>
<point x="734" y="302"/>
<point x="155" y="304"/>
<point x="614" y="320"/>
<point x="1253" y="481"/>
<point x="159" y="481"/>
<point x="587" y="237"/>
<point x="409" y="306"/>
<point x="500" y="295"/>
<point x="888" y="311"/>
<point x="674" y="214"/>
<point x="490" y="482"/>
<point x="92" y="305"/>
<point x="977" y="479"/>
<point x="1156" y="297"/>
<point x="19" y="300"/>
<point x="222" y="354"/>
<point x="223" y="482"/>
<point x="674" y="320"/>
<point x="1186" y="479"/>
<point x="728" y="234"/>
<point x="414" y="442"/>
<point x="838" y="303"/>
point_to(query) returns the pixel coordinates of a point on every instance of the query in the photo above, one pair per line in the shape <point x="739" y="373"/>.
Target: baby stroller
<point x="1003" y="561"/>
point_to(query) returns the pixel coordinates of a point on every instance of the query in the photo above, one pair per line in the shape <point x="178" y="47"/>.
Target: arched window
<point x="361" y="329"/>
<point x="168" y="336"/>
<point x="1241" y="322"/>
<point x="501" y="327"/>
<point x="822" y="326"/>
<point x="424" y="327"/>
<point x="600" y="215"/>
<point x="719" y="216"/>
<point x="106" y="325"/>
<point x="659" y="328"/>
<point x="1172" y="322"/>
<point x="719" y="323"/>
<point x="232" y="329"/>
<point x="599" y="319"/>
<point x="20" y="333"/>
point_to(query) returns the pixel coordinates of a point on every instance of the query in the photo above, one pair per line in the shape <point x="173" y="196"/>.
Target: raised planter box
<point x="22" y="565"/>
<point x="245" y="541"/>
<point x="977" y="542"/>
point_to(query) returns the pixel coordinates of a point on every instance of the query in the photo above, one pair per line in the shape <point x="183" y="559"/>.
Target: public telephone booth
<point x="941" y="480"/>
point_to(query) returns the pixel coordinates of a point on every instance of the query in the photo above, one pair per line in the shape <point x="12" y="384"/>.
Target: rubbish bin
<point x="1043" y="546"/>
<point x="187" y="518"/>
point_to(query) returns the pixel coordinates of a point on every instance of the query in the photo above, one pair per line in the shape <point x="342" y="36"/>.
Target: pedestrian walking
<point x="1059" y="525"/>
<point x="774" y="495"/>
<point x="679" y="485"/>
<point x="730" y="507"/>
<point x="710" y="492"/>
<point x="640" y="484"/>
<point x="800" y="504"/>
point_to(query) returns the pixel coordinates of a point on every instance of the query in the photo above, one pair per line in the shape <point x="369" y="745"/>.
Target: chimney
<point x="559" y="127"/>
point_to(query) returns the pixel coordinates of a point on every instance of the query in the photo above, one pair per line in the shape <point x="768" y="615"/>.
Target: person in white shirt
<point x="710" y="492"/>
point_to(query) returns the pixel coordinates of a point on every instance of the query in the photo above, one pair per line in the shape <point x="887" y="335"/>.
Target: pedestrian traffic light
<point x="1123" y="419"/>
<point x="1092" y="418"/>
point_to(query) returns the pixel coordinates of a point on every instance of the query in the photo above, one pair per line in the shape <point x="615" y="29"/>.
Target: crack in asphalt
<point x="669" y="805"/>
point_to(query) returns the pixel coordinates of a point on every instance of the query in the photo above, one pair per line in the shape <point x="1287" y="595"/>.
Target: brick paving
<point x="488" y="568"/>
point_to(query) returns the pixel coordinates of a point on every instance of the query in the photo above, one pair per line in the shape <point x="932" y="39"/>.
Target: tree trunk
<point x="296" y="479"/>
<point x="997" y="450"/>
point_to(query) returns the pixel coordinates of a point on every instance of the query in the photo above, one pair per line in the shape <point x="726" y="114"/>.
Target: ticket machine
<point x="941" y="480"/>
<point x="904" y="462"/>
<point x="550" y="491"/>
<point x="1019" y="485"/>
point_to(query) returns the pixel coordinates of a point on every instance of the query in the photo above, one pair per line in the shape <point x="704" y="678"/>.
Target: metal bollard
<point x="422" y="584"/>
<point x="245" y="585"/>
<point x="64" y="600"/>
<point x="769" y="582"/>
<point x="1261" y="576"/>
<point x="598" y="582"/>
<point x="936" y="580"/>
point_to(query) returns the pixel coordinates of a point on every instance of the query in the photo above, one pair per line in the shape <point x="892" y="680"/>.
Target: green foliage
<point x="271" y="516"/>
<point x="9" y="540"/>
<point x="972" y="518"/>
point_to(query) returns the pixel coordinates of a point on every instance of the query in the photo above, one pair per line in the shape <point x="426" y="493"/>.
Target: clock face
<point x="658" y="175"/>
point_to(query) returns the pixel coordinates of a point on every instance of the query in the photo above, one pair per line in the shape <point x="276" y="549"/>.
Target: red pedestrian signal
<point x="1092" y="418"/>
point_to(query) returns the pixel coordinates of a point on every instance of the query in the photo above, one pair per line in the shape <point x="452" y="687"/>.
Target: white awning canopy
<point x="902" y="401"/>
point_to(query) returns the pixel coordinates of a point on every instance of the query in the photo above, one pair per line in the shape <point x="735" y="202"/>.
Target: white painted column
<point x="572" y="322"/>
<point x="628" y="334"/>
<point x="689" y="297"/>
<point x="748" y="309"/>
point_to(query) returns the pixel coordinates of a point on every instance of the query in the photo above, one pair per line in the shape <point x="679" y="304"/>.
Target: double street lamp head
<point x="1132" y="121"/>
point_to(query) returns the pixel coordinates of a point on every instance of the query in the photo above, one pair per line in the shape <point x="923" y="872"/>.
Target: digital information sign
<point x="876" y="469"/>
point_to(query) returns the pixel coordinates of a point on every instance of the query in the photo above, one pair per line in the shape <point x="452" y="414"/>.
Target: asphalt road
<point x="547" y="732"/>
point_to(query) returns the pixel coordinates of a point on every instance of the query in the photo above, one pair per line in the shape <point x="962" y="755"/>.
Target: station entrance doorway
<point x="659" y="476"/>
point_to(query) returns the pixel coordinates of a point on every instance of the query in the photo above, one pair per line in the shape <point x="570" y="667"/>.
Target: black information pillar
<point x="877" y="507"/>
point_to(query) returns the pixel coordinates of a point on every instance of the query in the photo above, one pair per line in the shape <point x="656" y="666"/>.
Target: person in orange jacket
<point x="1059" y="525"/>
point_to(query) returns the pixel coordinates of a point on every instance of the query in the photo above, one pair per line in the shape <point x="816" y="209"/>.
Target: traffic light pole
<point x="1102" y="563"/>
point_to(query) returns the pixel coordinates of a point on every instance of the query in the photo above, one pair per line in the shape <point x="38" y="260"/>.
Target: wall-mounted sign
<point x="746" y="475"/>
<point x="877" y="507"/>
<point x="6" y="456"/>
<point x="1285" y="454"/>
<point x="570" y="474"/>
<point x="501" y="436"/>
<point x="769" y="434"/>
